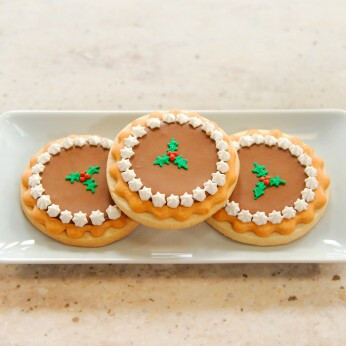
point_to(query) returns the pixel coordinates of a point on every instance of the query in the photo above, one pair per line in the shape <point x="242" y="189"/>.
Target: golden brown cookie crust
<point x="86" y="236"/>
<point x="166" y="218"/>
<point x="289" y="229"/>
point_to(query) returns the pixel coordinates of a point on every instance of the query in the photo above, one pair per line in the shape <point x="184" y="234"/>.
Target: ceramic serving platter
<point x="23" y="133"/>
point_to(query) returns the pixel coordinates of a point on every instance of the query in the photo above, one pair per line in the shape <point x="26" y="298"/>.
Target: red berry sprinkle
<point x="82" y="179"/>
<point x="87" y="176"/>
<point x="82" y="174"/>
<point x="173" y="154"/>
<point x="171" y="158"/>
<point x="265" y="180"/>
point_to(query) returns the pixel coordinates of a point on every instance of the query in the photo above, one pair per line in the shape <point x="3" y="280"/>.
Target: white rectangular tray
<point x="23" y="133"/>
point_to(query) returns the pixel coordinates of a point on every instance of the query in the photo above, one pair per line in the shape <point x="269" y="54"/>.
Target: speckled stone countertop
<point x="159" y="55"/>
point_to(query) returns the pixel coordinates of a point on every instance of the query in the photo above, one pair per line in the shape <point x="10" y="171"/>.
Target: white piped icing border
<point x="44" y="202"/>
<point x="308" y="195"/>
<point x="199" y="194"/>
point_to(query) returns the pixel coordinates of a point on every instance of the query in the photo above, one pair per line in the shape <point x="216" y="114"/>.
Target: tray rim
<point x="52" y="112"/>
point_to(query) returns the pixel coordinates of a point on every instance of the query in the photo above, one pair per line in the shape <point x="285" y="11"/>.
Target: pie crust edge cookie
<point x="167" y="218"/>
<point x="87" y="236"/>
<point x="288" y="230"/>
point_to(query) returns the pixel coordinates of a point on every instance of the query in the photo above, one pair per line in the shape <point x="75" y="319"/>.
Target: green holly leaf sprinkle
<point x="161" y="160"/>
<point x="276" y="181"/>
<point x="178" y="160"/>
<point x="72" y="177"/>
<point x="259" y="170"/>
<point x="181" y="162"/>
<point x="172" y="145"/>
<point x="259" y="189"/>
<point x="90" y="184"/>
<point x="93" y="169"/>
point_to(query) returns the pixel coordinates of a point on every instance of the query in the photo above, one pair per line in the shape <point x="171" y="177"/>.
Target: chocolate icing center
<point x="74" y="197"/>
<point x="194" y="145"/>
<point x="277" y="162"/>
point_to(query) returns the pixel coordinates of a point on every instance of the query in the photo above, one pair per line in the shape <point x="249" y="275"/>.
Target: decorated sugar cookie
<point x="64" y="193"/>
<point x="171" y="170"/>
<point x="282" y="190"/>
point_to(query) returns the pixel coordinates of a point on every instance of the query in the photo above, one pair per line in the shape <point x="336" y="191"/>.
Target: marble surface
<point x="146" y="54"/>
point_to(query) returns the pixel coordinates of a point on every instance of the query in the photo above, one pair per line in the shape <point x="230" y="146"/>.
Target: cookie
<point x="282" y="190"/>
<point x="171" y="170"/>
<point x="64" y="193"/>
